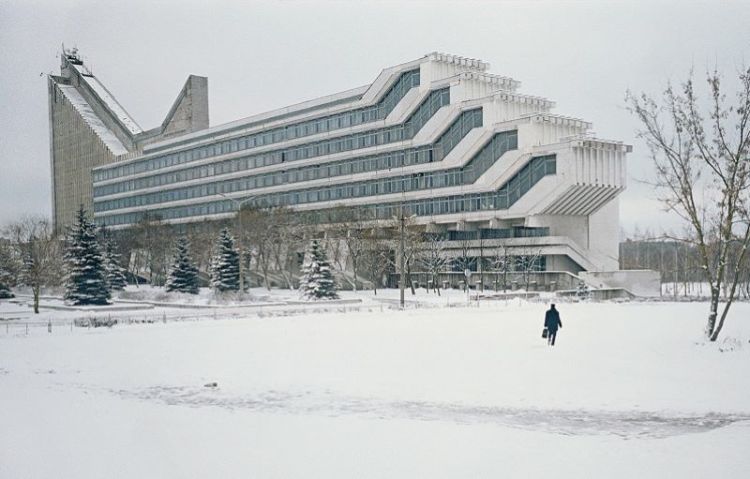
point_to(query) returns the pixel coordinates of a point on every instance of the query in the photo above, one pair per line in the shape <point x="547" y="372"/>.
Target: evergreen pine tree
<point x="6" y="275"/>
<point x="183" y="276"/>
<point x="582" y="291"/>
<point x="225" y="265"/>
<point x="86" y="281"/>
<point x="115" y="273"/>
<point x="5" y="284"/>
<point x="317" y="277"/>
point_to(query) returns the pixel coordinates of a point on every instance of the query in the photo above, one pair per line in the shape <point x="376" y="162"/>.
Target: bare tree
<point x="528" y="263"/>
<point x="347" y="240"/>
<point x="377" y="258"/>
<point x="38" y="247"/>
<point x="355" y="247"/>
<point x="434" y="258"/>
<point x="149" y="244"/>
<point x="202" y="237"/>
<point x="284" y="239"/>
<point x="335" y="247"/>
<point x="703" y="172"/>
<point x="412" y="245"/>
<point x="501" y="264"/>
<point x="463" y="260"/>
<point x="258" y="236"/>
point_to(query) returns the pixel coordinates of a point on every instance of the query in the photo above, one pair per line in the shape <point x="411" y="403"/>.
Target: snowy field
<point x="630" y="391"/>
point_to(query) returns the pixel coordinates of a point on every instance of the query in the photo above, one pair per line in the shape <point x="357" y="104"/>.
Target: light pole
<point x="239" y="204"/>
<point x="467" y="275"/>
<point x="401" y="278"/>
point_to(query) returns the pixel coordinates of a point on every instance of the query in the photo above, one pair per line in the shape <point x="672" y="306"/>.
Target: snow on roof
<point x="96" y="124"/>
<point x="109" y="100"/>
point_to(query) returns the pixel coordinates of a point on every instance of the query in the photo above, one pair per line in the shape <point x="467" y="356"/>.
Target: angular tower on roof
<point x="89" y="128"/>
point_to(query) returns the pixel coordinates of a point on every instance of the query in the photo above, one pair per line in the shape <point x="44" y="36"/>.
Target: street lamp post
<point x="402" y="266"/>
<point x="239" y="204"/>
<point x="467" y="275"/>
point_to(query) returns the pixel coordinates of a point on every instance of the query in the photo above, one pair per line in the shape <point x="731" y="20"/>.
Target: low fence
<point x="89" y="321"/>
<point x="22" y="326"/>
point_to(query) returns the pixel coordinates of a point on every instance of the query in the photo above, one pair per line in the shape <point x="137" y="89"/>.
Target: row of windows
<point x="445" y="143"/>
<point x="379" y="111"/>
<point x="499" y="144"/>
<point x="495" y="233"/>
<point x="424" y="112"/>
<point x="514" y="263"/>
<point x="504" y="198"/>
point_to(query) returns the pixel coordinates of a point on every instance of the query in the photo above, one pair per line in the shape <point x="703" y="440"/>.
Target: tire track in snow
<point x="624" y="424"/>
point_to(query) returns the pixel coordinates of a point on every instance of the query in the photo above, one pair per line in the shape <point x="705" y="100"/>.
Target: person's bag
<point x="545" y="333"/>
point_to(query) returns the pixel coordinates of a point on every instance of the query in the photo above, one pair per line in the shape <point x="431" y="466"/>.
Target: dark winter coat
<point x="552" y="320"/>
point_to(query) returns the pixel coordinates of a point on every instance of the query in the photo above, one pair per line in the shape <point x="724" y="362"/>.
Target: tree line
<point x="266" y="245"/>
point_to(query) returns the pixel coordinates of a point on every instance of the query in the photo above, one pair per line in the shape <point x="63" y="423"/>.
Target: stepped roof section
<point x="471" y="64"/>
<point x="434" y="66"/>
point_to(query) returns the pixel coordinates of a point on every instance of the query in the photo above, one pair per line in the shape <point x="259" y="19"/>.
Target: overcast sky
<point x="259" y="56"/>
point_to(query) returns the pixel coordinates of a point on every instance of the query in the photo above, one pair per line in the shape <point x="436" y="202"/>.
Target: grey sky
<point x="264" y="55"/>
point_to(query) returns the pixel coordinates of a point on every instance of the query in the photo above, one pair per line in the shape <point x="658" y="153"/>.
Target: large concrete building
<point x="439" y="137"/>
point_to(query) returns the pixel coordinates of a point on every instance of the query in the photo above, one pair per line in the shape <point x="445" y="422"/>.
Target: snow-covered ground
<point x="631" y="390"/>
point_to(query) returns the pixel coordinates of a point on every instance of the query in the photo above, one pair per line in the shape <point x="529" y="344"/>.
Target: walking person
<point x="551" y="324"/>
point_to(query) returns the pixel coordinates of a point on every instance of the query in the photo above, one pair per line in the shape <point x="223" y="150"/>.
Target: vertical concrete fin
<point x="189" y="112"/>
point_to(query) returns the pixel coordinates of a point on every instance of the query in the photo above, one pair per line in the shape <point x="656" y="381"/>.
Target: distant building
<point x="438" y="137"/>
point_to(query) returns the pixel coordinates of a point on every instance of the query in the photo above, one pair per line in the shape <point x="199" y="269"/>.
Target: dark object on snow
<point x="94" y="322"/>
<point x="551" y="324"/>
<point x="211" y="385"/>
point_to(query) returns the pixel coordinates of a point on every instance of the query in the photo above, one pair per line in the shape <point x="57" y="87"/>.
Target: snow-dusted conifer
<point x="317" y="278"/>
<point x="86" y="281"/>
<point x="114" y="272"/>
<point x="7" y="264"/>
<point x="582" y="291"/>
<point x="5" y="284"/>
<point x="225" y="265"/>
<point x="183" y="276"/>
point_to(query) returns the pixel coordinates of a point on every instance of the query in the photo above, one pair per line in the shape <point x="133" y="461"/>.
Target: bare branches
<point x="38" y="247"/>
<point x="434" y="258"/>
<point x="677" y="135"/>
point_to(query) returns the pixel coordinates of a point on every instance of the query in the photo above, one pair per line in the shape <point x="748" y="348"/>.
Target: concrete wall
<point x="190" y="110"/>
<point x="604" y="232"/>
<point x="75" y="150"/>
<point x="645" y="283"/>
<point x="557" y="262"/>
